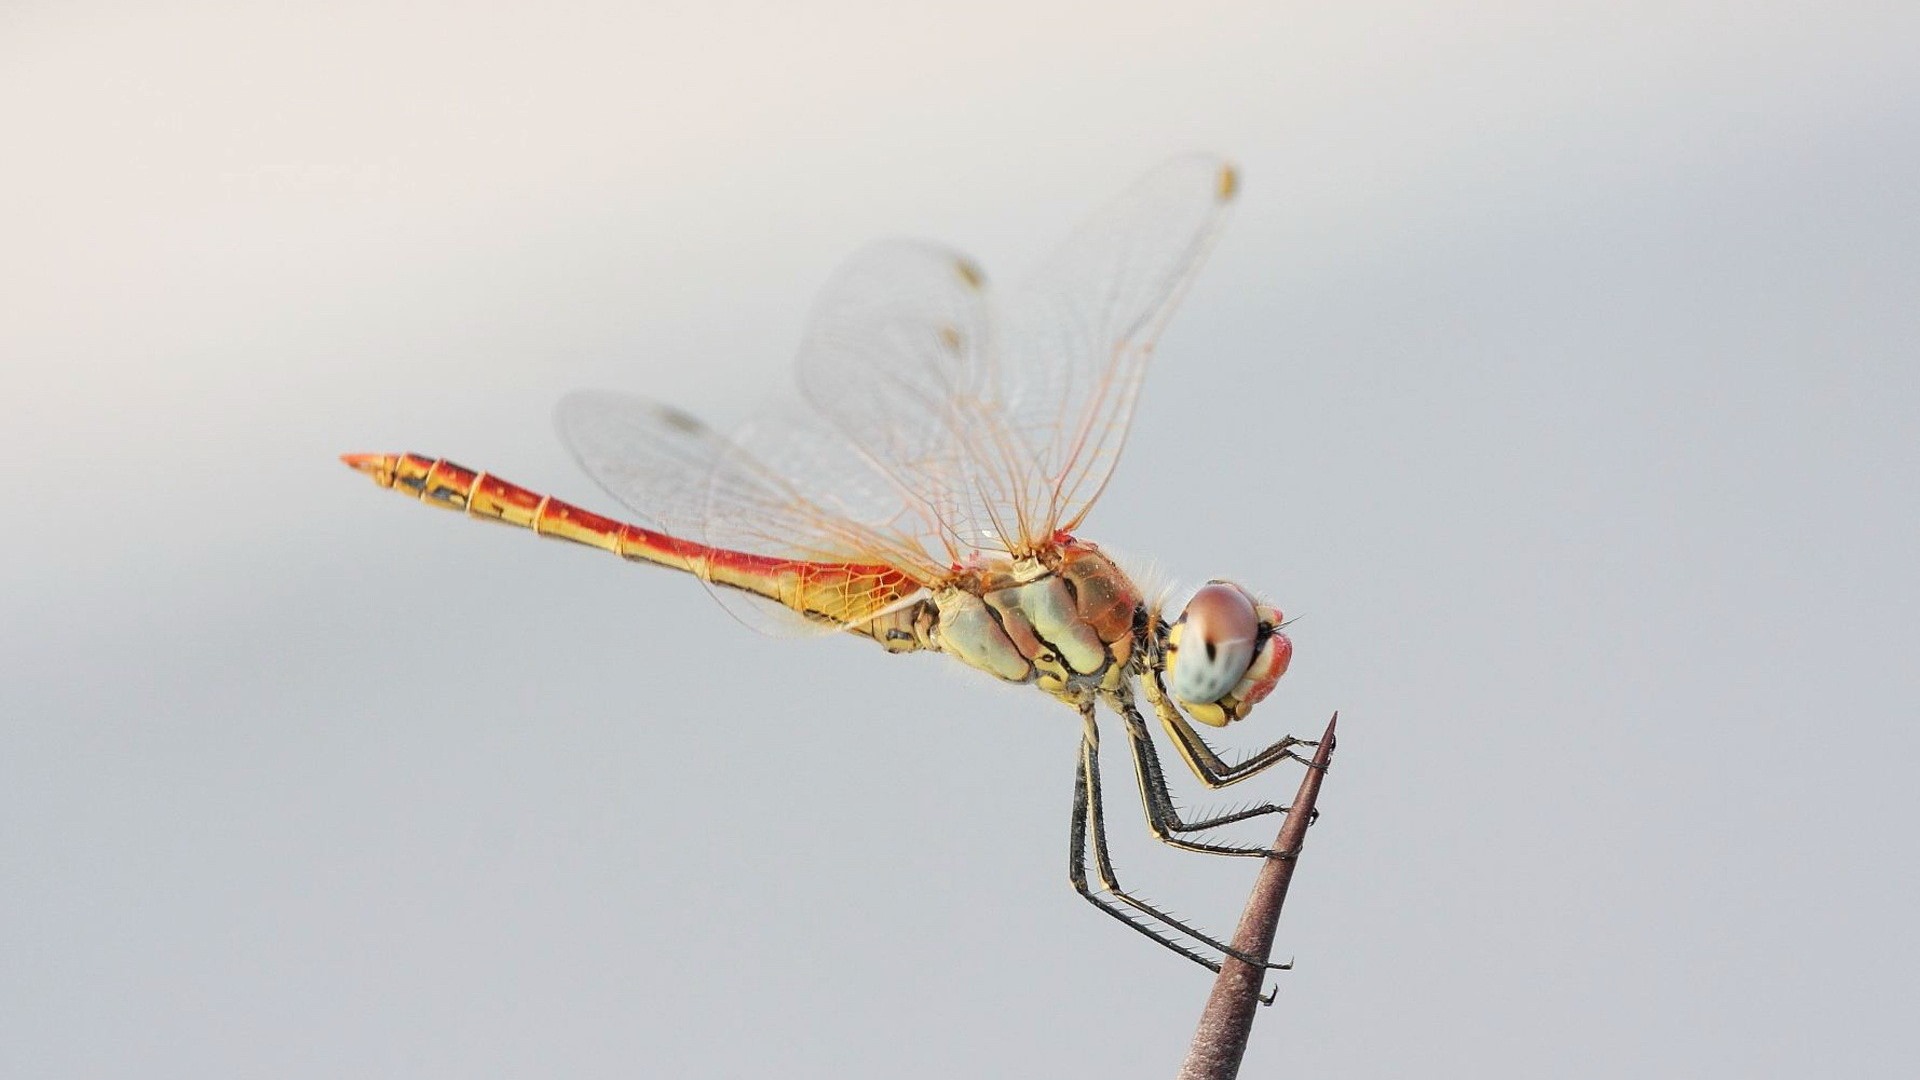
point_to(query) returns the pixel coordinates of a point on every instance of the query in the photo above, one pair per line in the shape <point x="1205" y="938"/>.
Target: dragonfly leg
<point x="1163" y="818"/>
<point x="1089" y="816"/>
<point x="1201" y="758"/>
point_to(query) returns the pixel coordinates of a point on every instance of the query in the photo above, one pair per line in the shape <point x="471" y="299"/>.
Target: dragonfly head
<point x="1224" y="654"/>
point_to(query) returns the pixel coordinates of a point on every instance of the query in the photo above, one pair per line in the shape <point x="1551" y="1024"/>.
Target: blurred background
<point x="1561" y="356"/>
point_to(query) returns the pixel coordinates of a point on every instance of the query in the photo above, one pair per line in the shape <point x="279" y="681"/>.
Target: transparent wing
<point x="682" y="478"/>
<point x="898" y="361"/>
<point x="995" y="426"/>
<point x="933" y="424"/>
<point x="1079" y="335"/>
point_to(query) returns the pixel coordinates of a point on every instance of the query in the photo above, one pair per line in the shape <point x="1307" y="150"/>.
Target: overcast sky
<point x="1557" y="371"/>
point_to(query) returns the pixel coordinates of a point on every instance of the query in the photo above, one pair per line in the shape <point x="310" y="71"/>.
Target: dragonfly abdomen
<point x="439" y="482"/>
<point x="841" y="593"/>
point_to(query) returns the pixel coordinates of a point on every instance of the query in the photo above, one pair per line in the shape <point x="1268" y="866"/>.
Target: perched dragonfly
<point x="925" y="488"/>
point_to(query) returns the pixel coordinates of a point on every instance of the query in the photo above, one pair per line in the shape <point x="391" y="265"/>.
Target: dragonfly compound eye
<point x="1212" y="645"/>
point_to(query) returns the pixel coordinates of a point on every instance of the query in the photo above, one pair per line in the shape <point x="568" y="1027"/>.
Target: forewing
<point x="996" y="426"/>
<point x="1076" y="340"/>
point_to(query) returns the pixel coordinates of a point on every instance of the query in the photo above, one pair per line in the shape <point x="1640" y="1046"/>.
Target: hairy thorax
<point x="1063" y="620"/>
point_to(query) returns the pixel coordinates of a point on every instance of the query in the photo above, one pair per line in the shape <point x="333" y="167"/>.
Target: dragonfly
<point x="923" y="484"/>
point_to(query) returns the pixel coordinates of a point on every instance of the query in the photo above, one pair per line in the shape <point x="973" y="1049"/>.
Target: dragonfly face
<point x="1225" y="653"/>
<point x="924" y="488"/>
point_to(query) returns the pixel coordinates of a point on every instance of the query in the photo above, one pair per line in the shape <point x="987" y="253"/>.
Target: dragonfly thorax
<point x="1062" y="619"/>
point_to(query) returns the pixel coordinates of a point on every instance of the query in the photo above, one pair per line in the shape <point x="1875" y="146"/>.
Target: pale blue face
<point x="1225" y="653"/>
<point x="1219" y="631"/>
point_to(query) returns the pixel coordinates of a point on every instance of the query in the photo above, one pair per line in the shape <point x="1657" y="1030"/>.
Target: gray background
<point x="1557" y="370"/>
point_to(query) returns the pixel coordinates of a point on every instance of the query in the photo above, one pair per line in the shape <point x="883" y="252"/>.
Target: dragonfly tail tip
<point x="378" y="466"/>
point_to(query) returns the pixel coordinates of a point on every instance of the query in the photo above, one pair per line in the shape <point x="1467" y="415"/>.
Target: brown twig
<point x="1221" y="1039"/>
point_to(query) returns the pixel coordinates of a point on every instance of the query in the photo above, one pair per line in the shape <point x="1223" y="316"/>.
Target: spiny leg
<point x="1163" y="818"/>
<point x="1103" y="861"/>
<point x="1200" y="757"/>
<point x="1088" y="812"/>
<point x="1077" y="873"/>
